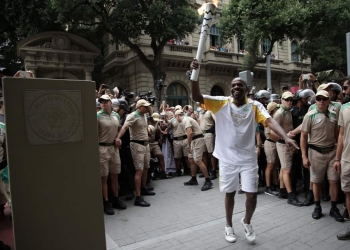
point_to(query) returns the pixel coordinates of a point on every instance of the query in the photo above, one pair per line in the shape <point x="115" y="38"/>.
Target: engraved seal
<point x="54" y="117"/>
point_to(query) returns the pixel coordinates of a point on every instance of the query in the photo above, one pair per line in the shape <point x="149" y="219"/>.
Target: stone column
<point x="88" y="75"/>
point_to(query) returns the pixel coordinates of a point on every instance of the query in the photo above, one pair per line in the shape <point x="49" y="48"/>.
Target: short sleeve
<point x="340" y="120"/>
<point x="305" y="126"/>
<point x="130" y="120"/>
<point x="214" y="103"/>
<point x="261" y="114"/>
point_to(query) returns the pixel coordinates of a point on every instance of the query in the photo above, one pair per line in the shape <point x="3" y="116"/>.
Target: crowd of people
<point x="296" y="142"/>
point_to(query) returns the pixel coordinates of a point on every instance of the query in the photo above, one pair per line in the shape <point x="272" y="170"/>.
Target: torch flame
<point x="202" y="8"/>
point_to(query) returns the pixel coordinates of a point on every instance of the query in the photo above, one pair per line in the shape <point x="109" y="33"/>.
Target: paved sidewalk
<point x="182" y="217"/>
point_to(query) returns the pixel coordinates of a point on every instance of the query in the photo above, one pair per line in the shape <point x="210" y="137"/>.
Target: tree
<point x="323" y="38"/>
<point x="254" y="21"/>
<point x="128" y="20"/>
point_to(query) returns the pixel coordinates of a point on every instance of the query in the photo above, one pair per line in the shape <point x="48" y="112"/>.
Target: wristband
<point x="315" y="81"/>
<point x="337" y="160"/>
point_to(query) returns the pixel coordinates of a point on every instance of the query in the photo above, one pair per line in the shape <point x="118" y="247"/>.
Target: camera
<point x="159" y="84"/>
<point x="129" y="96"/>
<point x="105" y="86"/>
<point x="148" y="97"/>
<point x="306" y="77"/>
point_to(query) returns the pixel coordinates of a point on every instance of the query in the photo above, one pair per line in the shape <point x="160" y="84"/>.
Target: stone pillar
<point x="88" y="75"/>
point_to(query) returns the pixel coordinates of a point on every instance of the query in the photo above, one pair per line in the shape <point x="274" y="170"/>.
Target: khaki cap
<point x="324" y="86"/>
<point x="323" y="93"/>
<point x="179" y="112"/>
<point x="142" y="102"/>
<point x="272" y="106"/>
<point x="287" y="95"/>
<point x="177" y="107"/>
<point x="156" y="117"/>
<point x="104" y="97"/>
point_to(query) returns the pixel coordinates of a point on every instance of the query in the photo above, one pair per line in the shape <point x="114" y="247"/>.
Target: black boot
<point x="213" y="175"/>
<point x="107" y="208"/>
<point x="309" y="200"/>
<point x="118" y="204"/>
<point x="163" y="175"/>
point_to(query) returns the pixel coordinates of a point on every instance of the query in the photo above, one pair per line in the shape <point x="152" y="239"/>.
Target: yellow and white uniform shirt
<point x="235" y="128"/>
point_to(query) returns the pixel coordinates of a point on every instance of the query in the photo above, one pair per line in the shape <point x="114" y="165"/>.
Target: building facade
<point x="221" y="63"/>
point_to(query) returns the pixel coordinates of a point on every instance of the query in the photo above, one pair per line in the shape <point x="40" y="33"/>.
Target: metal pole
<point x="348" y="51"/>
<point x="268" y="72"/>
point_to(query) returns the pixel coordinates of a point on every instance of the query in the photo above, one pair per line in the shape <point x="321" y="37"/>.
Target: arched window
<point x="294" y="54"/>
<point x="216" y="91"/>
<point x="265" y="46"/>
<point x="177" y="95"/>
<point x="215" y="36"/>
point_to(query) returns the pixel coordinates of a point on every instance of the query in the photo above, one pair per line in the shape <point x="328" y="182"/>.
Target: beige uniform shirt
<point x="137" y="124"/>
<point x="107" y="126"/>
<point x="333" y="106"/>
<point x="206" y="120"/>
<point x="321" y="128"/>
<point x="190" y="122"/>
<point x="267" y="132"/>
<point x="284" y="118"/>
<point x="344" y="121"/>
<point x="178" y="128"/>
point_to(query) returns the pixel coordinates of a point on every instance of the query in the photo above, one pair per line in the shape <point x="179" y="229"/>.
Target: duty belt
<point x="272" y="141"/>
<point x="197" y="136"/>
<point x="143" y="143"/>
<point x="322" y="150"/>
<point x="179" y="138"/>
<point x="207" y="132"/>
<point x="106" y="144"/>
<point x="281" y="141"/>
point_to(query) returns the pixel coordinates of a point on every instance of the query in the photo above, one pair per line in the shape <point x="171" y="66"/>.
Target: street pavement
<point x="184" y="217"/>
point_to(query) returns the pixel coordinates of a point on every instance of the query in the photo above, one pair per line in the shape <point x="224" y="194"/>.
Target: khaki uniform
<point x="108" y="125"/>
<point x="180" y="142"/>
<point x="207" y="123"/>
<point x="284" y="118"/>
<point x="197" y="143"/>
<point x="333" y="106"/>
<point x="322" y="131"/>
<point x="140" y="151"/>
<point x="270" y="147"/>
<point x="153" y="145"/>
<point x="344" y="121"/>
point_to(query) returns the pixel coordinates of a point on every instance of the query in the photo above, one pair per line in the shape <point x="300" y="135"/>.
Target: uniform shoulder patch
<point x="116" y="114"/>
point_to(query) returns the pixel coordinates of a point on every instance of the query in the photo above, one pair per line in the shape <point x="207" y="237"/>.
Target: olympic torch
<point x="205" y="31"/>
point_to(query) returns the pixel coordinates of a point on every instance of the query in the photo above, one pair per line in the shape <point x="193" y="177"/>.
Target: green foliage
<point x="252" y="21"/>
<point x="129" y="20"/>
<point x="323" y="37"/>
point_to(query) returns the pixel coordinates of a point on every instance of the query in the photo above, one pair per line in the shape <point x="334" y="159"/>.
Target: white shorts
<point x="229" y="178"/>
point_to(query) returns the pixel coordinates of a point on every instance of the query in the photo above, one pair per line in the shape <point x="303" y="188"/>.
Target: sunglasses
<point x="322" y="99"/>
<point x="103" y="101"/>
<point x="288" y="100"/>
<point x="345" y="87"/>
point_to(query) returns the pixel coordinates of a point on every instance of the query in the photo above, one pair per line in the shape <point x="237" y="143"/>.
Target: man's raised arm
<point x="196" y="93"/>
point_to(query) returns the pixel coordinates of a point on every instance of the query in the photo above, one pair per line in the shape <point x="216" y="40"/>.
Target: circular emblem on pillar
<point x="54" y="117"/>
<point x="61" y="42"/>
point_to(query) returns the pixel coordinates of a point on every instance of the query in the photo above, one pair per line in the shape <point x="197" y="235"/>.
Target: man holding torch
<point x="237" y="118"/>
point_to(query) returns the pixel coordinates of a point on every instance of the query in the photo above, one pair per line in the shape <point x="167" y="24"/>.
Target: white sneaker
<point x="230" y="234"/>
<point x="249" y="231"/>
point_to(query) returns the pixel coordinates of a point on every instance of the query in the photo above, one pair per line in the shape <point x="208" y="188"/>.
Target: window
<point x="265" y="46"/>
<point x="177" y="95"/>
<point x="240" y="48"/>
<point x="294" y="54"/>
<point x="215" y="36"/>
<point x="217" y="91"/>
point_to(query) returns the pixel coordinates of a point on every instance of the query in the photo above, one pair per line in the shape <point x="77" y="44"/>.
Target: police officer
<point x="283" y="117"/>
<point x="136" y="122"/>
<point x="108" y="126"/>
<point x="319" y="132"/>
<point x="271" y="155"/>
<point x="299" y="109"/>
<point x="196" y="148"/>
<point x="207" y="124"/>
